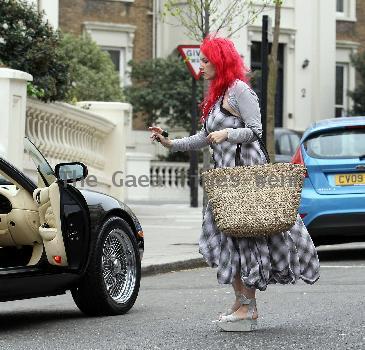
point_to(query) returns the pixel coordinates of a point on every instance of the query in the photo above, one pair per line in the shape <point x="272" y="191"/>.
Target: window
<point x="117" y="40"/>
<point x="346" y="10"/>
<point x="341" y="106"/>
<point x="115" y="57"/>
<point x="118" y="58"/>
<point x="347" y="143"/>
<point x="284" y="145"/>
<point x="295" y="141"/>
<point x="339" y="6"/>
<point x="345" y="75"/>
<point x="4" y="181"/>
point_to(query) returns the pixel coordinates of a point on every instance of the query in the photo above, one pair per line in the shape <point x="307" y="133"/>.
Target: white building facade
<point x="311" y="59"/>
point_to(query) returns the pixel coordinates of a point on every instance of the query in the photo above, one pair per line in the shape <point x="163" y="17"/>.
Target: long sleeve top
<point x="243" y="100"/>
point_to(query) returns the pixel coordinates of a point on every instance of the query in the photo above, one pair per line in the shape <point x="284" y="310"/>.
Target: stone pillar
<point x="115" y="146"/>
<point x="138" y="168"/>
<point x="13" y="97"/>
<point x="51" y="8"/>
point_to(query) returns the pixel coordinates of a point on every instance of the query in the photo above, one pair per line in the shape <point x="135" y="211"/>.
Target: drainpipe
<point x="154" y="20"/>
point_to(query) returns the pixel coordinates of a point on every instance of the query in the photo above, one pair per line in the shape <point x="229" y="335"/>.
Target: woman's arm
<point x="249" y="110"/>
<point x="190" y="143"/>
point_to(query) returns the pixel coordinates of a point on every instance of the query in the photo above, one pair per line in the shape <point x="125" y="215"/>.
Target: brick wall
<point x="360" y="24"/>
<point x="346" y="31"/>
<point x="73" y="13"/>
<point x="353" y="31"/>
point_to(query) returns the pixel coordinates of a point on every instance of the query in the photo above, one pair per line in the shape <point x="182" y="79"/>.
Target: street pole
<point x="193" y="173"/>
<point x="206" y="152"/>
<point x="264" y="74"/>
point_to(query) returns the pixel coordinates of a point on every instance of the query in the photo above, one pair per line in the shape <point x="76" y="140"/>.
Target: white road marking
<point x="342" y="266"/>
<point x="168" y="227"/>
<point x="178" y="217"/>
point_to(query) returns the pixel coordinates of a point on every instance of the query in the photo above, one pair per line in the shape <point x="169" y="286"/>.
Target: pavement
<point x="172" y="231"/>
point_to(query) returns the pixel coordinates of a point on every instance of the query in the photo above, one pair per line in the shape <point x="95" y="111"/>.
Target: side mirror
<point x="71" y="172"/>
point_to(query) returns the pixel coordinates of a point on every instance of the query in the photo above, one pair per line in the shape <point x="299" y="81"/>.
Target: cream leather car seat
<point x="48" y="200"/>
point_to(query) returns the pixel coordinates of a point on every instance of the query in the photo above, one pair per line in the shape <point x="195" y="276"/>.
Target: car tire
<point x="111" y="283"/>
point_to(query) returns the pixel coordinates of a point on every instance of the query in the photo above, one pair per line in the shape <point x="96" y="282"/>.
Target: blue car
<point x="333" y="196"/>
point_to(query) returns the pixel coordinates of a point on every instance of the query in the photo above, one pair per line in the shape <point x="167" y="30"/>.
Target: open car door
<point x="63" y="212"/>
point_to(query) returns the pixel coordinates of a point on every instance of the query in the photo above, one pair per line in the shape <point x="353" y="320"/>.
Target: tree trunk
<point x="271" y="89"/>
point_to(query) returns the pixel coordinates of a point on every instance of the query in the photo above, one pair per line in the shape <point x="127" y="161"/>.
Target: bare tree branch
<point x="199" y="17"/>
<point x="228" y="15"/>
<point x="202" y="15"/>
<point x="248" y="21"/>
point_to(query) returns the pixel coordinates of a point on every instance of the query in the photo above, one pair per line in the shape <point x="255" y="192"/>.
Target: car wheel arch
<point x="121" y="214"/>
<point x="114" y="213"/>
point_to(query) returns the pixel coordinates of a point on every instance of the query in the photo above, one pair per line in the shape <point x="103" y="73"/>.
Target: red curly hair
<point x="228" y="65"/>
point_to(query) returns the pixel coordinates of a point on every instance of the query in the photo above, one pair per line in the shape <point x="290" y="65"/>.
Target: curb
<point x="173" y="266"/>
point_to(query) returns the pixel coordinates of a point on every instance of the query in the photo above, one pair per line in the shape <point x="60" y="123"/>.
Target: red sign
<point x="191" y="56"/>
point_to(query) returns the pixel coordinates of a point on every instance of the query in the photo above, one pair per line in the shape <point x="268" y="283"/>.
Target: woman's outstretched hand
<point x="156" y="135"/>
<point x="216" y="137"/>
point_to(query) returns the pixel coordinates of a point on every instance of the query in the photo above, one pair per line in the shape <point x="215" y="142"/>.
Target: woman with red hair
<point x="230" y="113"/>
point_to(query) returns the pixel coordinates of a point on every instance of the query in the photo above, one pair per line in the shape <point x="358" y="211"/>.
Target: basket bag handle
<point x="262" y="146"/>
<point x="239" y="145"/>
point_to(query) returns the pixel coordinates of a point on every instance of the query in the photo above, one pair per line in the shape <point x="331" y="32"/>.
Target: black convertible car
<point x="55" y="237"/>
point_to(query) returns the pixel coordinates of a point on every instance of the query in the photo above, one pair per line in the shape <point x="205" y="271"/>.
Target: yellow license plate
<point x="350" y="179"/>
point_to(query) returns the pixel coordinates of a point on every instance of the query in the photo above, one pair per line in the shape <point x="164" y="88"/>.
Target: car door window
<point x="4" y="181"/>
<point x="6" y="190"/>
<point x="284" y="145"/>
<point x="45" y="171"/>
<point x="294" y="140"/>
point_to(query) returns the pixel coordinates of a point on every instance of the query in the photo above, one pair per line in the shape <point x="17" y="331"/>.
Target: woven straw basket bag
<point x="254" y="200"/>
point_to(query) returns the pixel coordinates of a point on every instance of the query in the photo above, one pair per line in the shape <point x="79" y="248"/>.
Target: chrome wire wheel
<point x="119" y="266"/>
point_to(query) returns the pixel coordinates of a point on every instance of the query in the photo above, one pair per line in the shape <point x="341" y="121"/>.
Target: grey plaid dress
<point x="281" y="258"/>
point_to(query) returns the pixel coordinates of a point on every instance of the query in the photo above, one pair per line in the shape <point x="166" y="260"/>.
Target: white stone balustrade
<point x="94" y="136"/>
<point x="169" y="181"/>
<point x="63" y="132"/>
